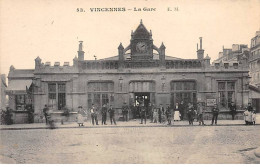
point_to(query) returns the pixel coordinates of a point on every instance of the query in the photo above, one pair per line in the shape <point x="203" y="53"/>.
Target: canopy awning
<point x="18" y="85"/>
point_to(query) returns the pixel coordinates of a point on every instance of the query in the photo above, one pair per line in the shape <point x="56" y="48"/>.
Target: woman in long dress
<point x="80" y="117"/>
<point x="177" y="114"/>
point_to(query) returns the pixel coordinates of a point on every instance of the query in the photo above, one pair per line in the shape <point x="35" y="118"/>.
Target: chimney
<point x="80" y="51"/>
<point x="200" y="52"/>
<point x="200" y="43"/>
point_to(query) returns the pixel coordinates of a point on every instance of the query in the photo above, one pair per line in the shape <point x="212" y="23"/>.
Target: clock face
<point x="141" y="47"/>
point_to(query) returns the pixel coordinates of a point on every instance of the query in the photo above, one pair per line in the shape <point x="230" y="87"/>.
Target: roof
<point x="19" y="85"/>
<point x="26" y="73"/>
<point x="155" y="57"/>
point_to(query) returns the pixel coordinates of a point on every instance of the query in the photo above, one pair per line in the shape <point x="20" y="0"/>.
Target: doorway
<point x="142" y="97"/>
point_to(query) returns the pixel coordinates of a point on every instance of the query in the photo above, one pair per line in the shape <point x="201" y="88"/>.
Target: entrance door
<point x="139" y="97"/>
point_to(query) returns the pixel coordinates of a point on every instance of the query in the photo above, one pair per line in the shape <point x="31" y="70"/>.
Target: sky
<point x="51" y="29"/>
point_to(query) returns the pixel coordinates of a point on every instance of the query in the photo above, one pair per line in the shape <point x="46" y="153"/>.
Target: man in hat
<point x="190" y="113"/>
<point x="133" y="110"/>
<point x="168" y="114"/>
<point x="150" y="111"/>
<point x="200" y="111"/>
<point x="143" y="113"/>
<point x="215" y="112"/>
<point x="111" y="112"/>
<point x="125" y="111"/>
<point x="93" y="112"/>
<point x="160" y="112"/>
<point x="104" y="114"/>
<point x="233" y="110"/>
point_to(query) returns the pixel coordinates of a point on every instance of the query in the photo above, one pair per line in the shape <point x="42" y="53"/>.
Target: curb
<point x="121" y="126"/>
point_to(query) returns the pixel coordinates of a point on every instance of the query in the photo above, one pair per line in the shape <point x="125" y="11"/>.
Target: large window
<point x="22" y="101"/>
<point x="100" y="93"/>
<point x="226" y="93"/>
<point x="57" y="95"/>
<point x="185" y="91"/>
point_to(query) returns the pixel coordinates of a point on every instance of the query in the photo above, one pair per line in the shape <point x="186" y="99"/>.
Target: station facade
<point x="140" y="71"/>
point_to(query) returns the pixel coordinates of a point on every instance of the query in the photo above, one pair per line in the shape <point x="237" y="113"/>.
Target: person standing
<point x="168" y="114"/>
<point x="190" y="113"/>
<point x="80" y="117"/>
<point x="160" y="113"/>
<point x="104" y="114"/>
<point x="215" y="112"/>
<point x="125" y="111"/>
<point x="111" y="112"/>
<point x="133" y="110"/>
<point x="30" y="114"/>
<point x="200" y="111"/>
<point x="181" y="109"/>
<point x="155" y="114"/>
<point x="45" y="112"/>
<point x="150" y="111"/>
<point x="248" y="117"/>
<point x="143" y="113"/>
<point x="177" y="115"/>
<point x="93" y="112"/>
<point x="249" y="107"/>
<point x="233" y="110"/>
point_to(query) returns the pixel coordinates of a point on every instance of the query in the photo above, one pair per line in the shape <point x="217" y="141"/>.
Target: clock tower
<point x="141" y="44"/>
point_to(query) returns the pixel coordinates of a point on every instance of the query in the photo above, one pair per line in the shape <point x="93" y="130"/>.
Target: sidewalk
<point x="131" y="123"/>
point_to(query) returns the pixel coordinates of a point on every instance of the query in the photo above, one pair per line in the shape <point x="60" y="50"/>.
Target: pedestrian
<point x="111" y="112"/>
<point x="177" y="115"/>
<point x="190" y="113"/>
<point x="125" y="111"/>
<point x="233" y="110"/>
<point x="200" y="111"/>
<point x="104" y="114"/>
<point x="93" y="112"/>
<point x="45" y="112"/>
<point x="8" y="116"/>
<point x="253" y="117"/>
<point x="160" y="113"/>
<point x="143" y="113"/>
<point x="65" y="114"/>
<point x="248" y="117"/>
<point x="215" y="112"/>
<point x="133" y="110"/>
<point x="30" y="114"/>
<point x="249" y="107"/>
<point x="168" y="113"/>
<point x="155" y="115"/>
<point x="150" y="111"/>
<point x="80" y="116"/>
<point x="181" y="109"/>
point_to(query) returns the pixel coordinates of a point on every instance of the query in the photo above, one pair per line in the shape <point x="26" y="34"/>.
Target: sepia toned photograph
<point x="130" y="82"/>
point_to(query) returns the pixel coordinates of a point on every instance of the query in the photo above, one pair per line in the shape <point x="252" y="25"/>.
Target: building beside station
<point x="140" y="71"/>
<point x="254" y="71"/>
<point x="2" y="92"/>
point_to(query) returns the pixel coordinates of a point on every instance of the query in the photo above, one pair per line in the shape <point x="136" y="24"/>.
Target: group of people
<point x="161" y="114"/>
<point x="104" y="111"/>
<point x="156" y="114"/>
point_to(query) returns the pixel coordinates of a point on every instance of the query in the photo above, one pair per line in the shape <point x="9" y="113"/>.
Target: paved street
<point x="179" y="144"/>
